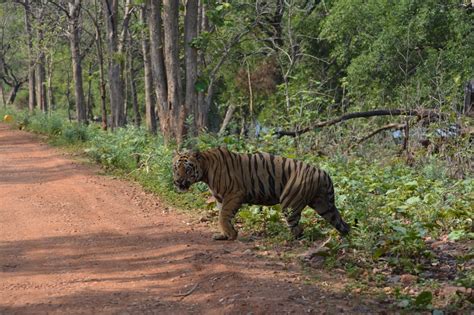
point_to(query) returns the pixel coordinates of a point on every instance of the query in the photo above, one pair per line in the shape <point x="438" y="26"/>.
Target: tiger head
<point x="186" y="170"/>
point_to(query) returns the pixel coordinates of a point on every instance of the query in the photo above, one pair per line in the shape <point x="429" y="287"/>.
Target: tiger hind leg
<point x="327" y="209"/>
<point x="293" y="216"/>
<point x="292" y="205"/>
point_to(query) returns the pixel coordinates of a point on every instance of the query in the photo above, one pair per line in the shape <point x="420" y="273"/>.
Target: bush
<point x="75" y="132"/>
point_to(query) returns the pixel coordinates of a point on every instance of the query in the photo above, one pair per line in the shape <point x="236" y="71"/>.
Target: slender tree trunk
<point x="133" y="91"/>
<point x="243" y="128"/>
<point x="41" y="80"/>
<point x="227" y="119"/>
<point x="49" y="79"/>
<point x="158" y="67"/>
<point x="202" y="114"/>
<point x="74" y="41"/>
<point x="202" y="104"/>
<point x="103" y="93"/>
<point x="149" y="103"/>
<point x="41" y="65"/>
<point x="2" y="92"/>
<point x="68" y="96"/>
<point x="126" y="86"/>
<point x="190" y="32"/>
<point x="171" y="52"/>
<point x="100" y="55"/>
<point x="31" y="64"/>
<point x="89" y="100"/>
<point x="40" y="83"/>
<point x="13" y="93"/>
<point x="115" y="64"/>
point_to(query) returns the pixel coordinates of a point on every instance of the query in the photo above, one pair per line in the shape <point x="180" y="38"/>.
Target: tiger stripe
<point x="261" y="179"/>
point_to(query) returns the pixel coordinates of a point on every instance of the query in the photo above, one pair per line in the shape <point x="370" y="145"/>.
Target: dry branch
<point x="373" y="133"/>
<point x="189" y="292"/>
<point x="421" y="114"/>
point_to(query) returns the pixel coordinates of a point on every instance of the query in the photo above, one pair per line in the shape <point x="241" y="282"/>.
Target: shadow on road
<point x="144" y="271"/>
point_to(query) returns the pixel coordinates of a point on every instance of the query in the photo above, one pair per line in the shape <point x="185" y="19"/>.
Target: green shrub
<point x="75" y="132"/>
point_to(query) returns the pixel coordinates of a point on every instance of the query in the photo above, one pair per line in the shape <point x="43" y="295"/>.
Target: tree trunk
<point x="68" y="96"/>
<point x="149" y="105"/>
<point x="171" y="52"/>
<point x="158" y="67"/>
<point x="40" y="67"/>
<point x="31" y="64"/>
<point x="2" y="92"/>
<point x="89" y="99"/>
<point x="13" y="92"/>
<point x="190" y="53"/>
<point x="100" y="55"/>
<point x="136" y="108"/>
<point x="133" y="87"/>
<point x="202" y="104"/>
<point x="40" y="84"/>
<point x="49" y="79"/>
<point x="74" y="41"/>
<point x="126" y="83"/>
<point x="202" y="113"/>
<point x="115" y="64"/>
<point x="227" y="118"/>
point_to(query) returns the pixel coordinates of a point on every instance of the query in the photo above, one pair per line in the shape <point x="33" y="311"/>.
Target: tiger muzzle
<point x="182" y="185"/>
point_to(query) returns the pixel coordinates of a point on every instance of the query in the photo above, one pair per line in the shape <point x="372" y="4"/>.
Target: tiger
<point x="258" y="179"/>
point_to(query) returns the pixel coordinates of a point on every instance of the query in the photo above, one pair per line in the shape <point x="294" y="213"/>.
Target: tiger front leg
<point x="227" y="212"/>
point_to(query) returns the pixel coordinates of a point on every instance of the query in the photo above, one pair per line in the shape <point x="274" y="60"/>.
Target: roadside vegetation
<point x="412" y="231"/>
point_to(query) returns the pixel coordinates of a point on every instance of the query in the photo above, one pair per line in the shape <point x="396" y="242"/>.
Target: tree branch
<point x="373" y="133"/>
<point x="61" y="8"/>
<point x="212" y="76"/>
<point x="129" y="8"/>
<point x="421" y="114"/>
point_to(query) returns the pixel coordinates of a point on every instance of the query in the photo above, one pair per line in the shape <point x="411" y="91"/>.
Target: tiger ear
<point x="196" y="153"/>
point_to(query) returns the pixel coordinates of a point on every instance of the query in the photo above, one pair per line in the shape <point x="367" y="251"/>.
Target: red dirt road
<point x="75" y="242"/>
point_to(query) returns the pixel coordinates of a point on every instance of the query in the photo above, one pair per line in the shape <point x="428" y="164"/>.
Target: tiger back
<point x="259" y="179"/>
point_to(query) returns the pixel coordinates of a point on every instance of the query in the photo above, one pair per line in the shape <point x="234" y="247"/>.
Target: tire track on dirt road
<point x="75" y="242"/>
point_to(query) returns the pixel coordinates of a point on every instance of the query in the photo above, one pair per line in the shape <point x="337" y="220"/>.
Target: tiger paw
<point x="343" y="228"/>
<point x="297" y="232"/>
<point x="220" y="237"/>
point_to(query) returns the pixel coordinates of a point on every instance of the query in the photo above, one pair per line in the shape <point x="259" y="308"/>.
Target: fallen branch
<point x="189" y="292"/>
<point x="310" y="253"/>
<point x="373" y="133"/>
<point x="421" y="114"/>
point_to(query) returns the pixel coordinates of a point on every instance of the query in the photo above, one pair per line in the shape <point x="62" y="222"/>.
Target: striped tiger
<point x="259" y="179"/>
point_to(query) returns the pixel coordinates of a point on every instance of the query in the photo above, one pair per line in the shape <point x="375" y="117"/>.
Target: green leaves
<point x="423" y="299"/>
<point x="392" y="57"/>
<point x="413" y="200"/>
<point x="456" y="235"/>
<point x="217" y="14"/>
<point x="201" y="85"/>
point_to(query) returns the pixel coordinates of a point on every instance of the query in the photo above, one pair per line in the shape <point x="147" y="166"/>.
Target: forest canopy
<point x="184" y="64"/>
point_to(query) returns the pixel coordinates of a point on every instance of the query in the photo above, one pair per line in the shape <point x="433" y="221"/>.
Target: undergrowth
<point x="398" y="209"/>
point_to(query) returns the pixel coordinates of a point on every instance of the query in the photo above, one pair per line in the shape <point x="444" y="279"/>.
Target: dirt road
<point x="75" y="242"/>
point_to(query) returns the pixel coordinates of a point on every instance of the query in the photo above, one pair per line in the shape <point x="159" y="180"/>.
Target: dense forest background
<point x="186" y="64"/>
